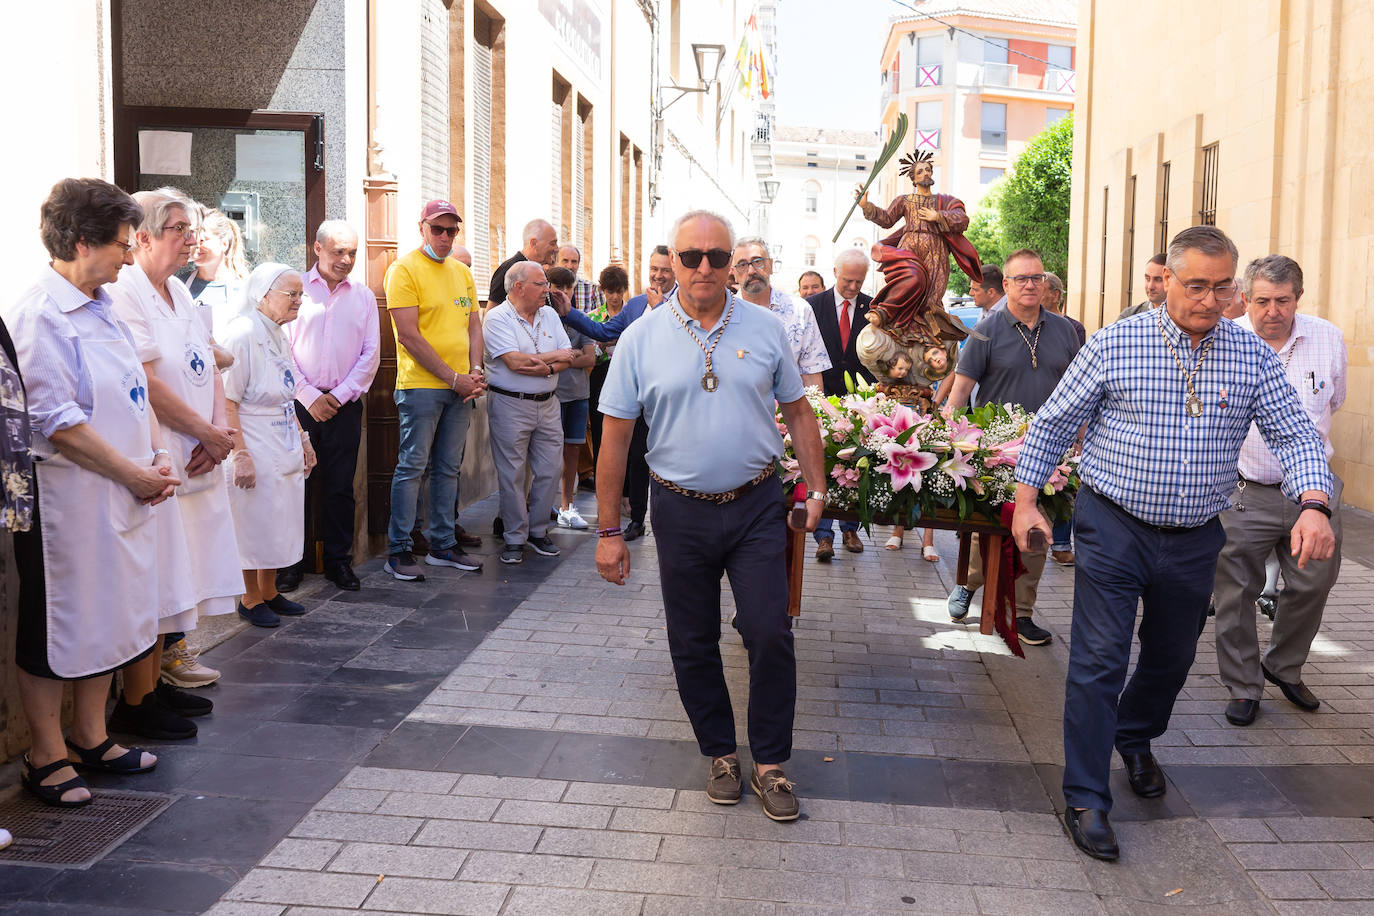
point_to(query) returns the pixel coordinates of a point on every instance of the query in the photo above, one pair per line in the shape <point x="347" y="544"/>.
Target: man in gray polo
<point x="526" y="347"/>
<point x="1016" y="355"/>
<point x="706" y="370"/>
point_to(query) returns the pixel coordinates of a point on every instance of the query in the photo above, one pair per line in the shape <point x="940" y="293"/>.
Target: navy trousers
<point x="698" y="542"/>
<point x="1121" y="561"/>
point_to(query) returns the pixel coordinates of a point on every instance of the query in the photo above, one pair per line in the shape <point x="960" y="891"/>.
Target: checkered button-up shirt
<point x="1315" y="359"/>
<point x="1142" y="450"/>
<point x="587" y="296"/>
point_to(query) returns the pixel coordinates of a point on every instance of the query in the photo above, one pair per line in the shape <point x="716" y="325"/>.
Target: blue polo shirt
<point x="710" y="441"/>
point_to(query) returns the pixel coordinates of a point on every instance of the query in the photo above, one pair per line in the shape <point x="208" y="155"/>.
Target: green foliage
<point x="1034" y="198"/>
<point x="985" y="234"/>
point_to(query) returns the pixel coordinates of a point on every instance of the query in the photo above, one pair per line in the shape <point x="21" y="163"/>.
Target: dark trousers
<point x="637" y="472"/>
<point x="745" y="540"/>
<point x="330" y="485"/>
<point x="1120" y="561"/>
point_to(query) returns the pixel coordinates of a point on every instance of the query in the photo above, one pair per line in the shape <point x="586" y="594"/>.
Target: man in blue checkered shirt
<point x="1167" y="398"/>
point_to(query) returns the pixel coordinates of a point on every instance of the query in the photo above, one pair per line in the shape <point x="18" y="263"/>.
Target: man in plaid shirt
<point x="1166" y="399"/>
<point x="586" y="297"/>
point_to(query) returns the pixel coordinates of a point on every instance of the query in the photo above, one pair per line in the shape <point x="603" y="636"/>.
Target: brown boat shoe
<point x="775" y="791"/>
<point x="722" y="782"/>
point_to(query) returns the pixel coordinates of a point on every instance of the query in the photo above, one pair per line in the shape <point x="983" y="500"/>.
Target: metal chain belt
<point x="719" y="499"/>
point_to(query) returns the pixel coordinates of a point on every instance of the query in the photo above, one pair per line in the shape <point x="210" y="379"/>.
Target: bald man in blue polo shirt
<point x="706" y="370"/>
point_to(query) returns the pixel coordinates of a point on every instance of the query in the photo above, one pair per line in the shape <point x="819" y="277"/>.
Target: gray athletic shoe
<point x="958" y="602"/>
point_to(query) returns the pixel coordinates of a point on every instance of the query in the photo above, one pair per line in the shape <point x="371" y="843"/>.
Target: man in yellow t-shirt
<point x="433" y="306"/>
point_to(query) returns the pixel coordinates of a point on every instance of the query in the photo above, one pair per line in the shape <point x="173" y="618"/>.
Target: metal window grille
<point x="481" y="166"/>
<point x="1210" y="170"/>
<point x="579" y="168"/>
<point x="1102" y="270"/>
<point x="556" y="164"/>
<point x="1163" y="208"/>
<point x="1130" y="248"/>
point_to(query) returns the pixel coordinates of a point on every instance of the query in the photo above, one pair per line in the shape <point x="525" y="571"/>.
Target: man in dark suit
<point x="840" y="314"/>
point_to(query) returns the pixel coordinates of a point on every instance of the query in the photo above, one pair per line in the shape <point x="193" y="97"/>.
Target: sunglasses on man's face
<point x="450" y="231"/>
<point x="716" y="257"/>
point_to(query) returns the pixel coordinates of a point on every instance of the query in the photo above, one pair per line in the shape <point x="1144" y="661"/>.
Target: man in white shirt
<point x="1312" y="351"/>
<point x="753" y="269"/>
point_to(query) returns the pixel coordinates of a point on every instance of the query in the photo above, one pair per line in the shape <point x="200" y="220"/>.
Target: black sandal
<point x="127" y="763"/>
<point x="32" y="779"/>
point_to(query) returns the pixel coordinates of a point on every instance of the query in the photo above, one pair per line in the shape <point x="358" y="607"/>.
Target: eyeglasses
<point x="294" y="297"/>
<point x="540" y="283"/>
<point x="1028" y="279"/>
<point x="756" y="263"/>
<point x="125" y="247"/>
<point x="1222" y="292"/>
<point x="181" y="229"/>
<point x="450" y="231"/>
<point x="716" y="257"/>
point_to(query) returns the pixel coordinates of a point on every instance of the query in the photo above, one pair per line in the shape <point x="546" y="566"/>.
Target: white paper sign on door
<point x="164" y="152"/>
<point x="269" y="157"/>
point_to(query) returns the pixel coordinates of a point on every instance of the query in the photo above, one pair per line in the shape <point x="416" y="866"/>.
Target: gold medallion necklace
<point x="1031" y="343"/>
<point x="1193" y="405"/>
<point x="710" y="381"/>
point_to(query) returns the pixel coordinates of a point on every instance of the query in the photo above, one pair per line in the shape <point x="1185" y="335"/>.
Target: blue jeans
<point x="1063" y="536"/>
<point x="434" y="430"/>
<point x="825" y="528"/>
<point x="1120" y="561"/>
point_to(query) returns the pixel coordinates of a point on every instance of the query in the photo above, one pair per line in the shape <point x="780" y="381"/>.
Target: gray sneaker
<point x="512" y="554"/>
<point x="454" y="557"/>
<point x="775" y="791"/>
<point x="403" y="566"/>
<point x="958" y="602"/>
<point x="544" y="546"/>
<point x="722" y="782"/>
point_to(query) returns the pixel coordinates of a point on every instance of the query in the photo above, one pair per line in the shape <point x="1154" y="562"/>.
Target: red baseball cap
<point x="438" y="208"/>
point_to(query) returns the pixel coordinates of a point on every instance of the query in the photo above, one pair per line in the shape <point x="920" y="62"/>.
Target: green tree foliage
<point x="1034" y="203"/>
<point x="1029" y="208"/>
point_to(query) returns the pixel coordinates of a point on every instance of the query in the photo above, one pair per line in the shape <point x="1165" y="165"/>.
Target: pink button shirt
<point x="334" y="340"/>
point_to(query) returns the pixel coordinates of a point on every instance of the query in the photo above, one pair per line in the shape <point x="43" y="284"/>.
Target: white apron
<point x="186" y="365"/>
<point x="100" y="558"/>
<point x="270" y="518"/>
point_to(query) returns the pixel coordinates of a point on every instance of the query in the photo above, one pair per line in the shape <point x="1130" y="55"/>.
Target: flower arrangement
<point x="888" y="461"/>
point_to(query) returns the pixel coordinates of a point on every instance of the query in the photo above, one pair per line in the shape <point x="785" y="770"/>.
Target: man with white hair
<point x="707" y="372"/>
<point x="840" y="314"/>
<point x="526" y="348"/>
<point x="540" y="246"/>
<point x="336" y="347"/>
<point x="753" y="266"/>
<point x="586" y="297"/>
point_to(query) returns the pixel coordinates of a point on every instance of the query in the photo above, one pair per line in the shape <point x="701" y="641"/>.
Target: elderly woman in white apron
<point x="86" y="543"/>
<point x="198" y="559"/>
<point x="271" y="456"/>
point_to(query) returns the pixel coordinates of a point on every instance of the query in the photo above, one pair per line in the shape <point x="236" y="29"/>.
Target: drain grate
<point x="74" y="837"/>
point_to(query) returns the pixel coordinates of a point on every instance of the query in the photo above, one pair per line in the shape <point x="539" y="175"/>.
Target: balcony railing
<point x="1057" y="80"/>
<point x="1002" y="75"/>
<point x="763" y="129"/>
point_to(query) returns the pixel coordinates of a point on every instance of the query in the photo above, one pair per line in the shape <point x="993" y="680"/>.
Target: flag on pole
<point x="752" y="63"/>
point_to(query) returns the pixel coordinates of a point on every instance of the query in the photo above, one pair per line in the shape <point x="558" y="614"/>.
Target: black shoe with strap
<point x="32" y="779"/>
<point x="129" y="762"/>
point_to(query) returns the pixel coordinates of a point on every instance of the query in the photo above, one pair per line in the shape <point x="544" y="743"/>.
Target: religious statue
<point x="911" y="341"/>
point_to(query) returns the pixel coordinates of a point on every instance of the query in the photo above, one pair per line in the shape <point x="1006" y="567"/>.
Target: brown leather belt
<point x="721" y="499"/>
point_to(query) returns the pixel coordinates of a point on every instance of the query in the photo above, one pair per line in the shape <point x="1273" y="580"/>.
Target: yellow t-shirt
<point x="445" y="296"/>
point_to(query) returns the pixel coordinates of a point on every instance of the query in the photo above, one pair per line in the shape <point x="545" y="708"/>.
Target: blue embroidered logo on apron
<point x="288" y="383"/>
<point x="196" y="369"/>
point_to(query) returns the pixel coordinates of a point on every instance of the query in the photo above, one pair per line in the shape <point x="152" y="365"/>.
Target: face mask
<point x="429" y="252"/>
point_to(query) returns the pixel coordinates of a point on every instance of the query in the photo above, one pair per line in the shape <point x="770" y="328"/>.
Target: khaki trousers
<point x="1027" y="586"/>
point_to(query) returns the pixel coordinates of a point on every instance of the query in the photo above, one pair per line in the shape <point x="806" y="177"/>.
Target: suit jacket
<point x="846" y="359"/>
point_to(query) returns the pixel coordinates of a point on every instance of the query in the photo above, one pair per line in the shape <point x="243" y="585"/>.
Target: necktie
<point x="844" y="325"/>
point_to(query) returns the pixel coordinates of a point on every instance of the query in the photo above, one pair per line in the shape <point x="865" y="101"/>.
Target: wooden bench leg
<point x="992" y="571"/>
<point x="961" y="568"/>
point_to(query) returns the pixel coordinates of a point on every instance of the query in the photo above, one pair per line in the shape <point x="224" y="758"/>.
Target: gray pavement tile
<point x="880" y="836"/>
<point x="1005" y="901"/>
<point x="590" y="793"/>
<point x="404" y="861"/>
<point x="209" y="830"/>
<point x="929" y="897"/>
<point x="478" y="835"/>
<point x="1288" y="885"/>
<point x="1159" y="856"/>
<point x="1003" y="786"/>
<point x="782" y="886"/>
<point x="499" y="751"/>
<point x="1362" y="853"/>
<point x="599" y="844"/>
<point x="878" y="863"/>
<point x="1322" y="907"/>
<point x="1343" y="791"/>
<point x="271" y="885"/>
<point x="541" y="901"/>
<point x="399" y="780"/>
<point x="330" y="825"/>
<point x="1242" y="830"/>
<point x="654" y="877"/>
<point x="266" y="778"/>
<point x="689" y="850"/>
<point x="678" y="823"/>
<point x="421" y="895"/>
<point x="357" y="801"/>
<point x="951" y="818"/>
<point x="1351" y="884"/>
<point x="447" y="807"/>
<point x="553" y="814"/>
<point x="600" y="758"/>
<point x="704" y="906"/>
<point x="510" y="787"/>
<point x="906" y="781"/>
<point x="1230" y="791"/>
<point x="306" y="855"/>
<point x="1322" y="829"/>
<point x="527" y="869"/>
<point x="802" y="830"/>
<point x="241" y="908"/>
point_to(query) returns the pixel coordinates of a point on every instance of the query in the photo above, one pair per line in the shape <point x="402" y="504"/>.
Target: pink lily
<point x="791" y="470"/>
<point x="957" y="467"/>
<point x="964" y="435"/>
<point x="905" y="464"/>
<point x="845" y="454"/>
<point x="1005" y="452"/>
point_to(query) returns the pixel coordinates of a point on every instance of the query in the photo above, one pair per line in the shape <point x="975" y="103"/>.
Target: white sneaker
<point x="571" y="518"/>
<point x="181" y="667"/>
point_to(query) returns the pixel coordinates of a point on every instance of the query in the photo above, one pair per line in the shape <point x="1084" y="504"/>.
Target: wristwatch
<point x="822" y="495"/>
<point x="1317" y="504"/>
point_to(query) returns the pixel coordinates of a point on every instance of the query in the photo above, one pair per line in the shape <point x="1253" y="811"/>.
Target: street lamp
<point x="770" y="189"/>
<point x="707" y="58"/>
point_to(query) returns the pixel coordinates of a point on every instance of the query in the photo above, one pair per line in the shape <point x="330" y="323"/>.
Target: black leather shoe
<point x="1242" y="712"/>
<point x="289" y="577"/>
<point x="633" y="531"/>
<point x="342" y="575"/>
<point x="1092" y="832"/>
<point x="1144" y="774"/>
<point x="1297" y="694"/>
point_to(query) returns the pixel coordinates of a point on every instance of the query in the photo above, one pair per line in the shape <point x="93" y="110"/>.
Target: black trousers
<point x="745" y="540"/>
<point x="330" y="485"/>
<point x="637" y="472"/>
